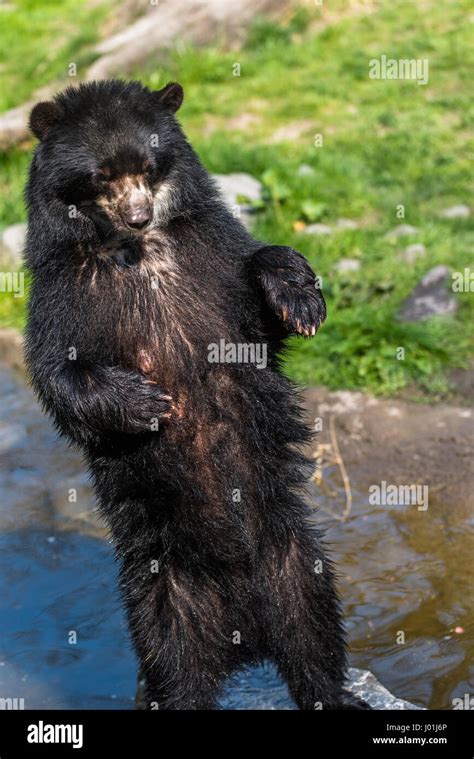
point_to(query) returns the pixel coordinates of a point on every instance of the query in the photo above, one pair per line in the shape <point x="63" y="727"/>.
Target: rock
<point x="402" y="230"/>
<point x="462" y="383"/>
<point x="305" y="170"/>
<point x="234" y="185"/>
<point x="347" y="264"/>
<point x="347" y="224"/>
<point x="364" y="685"/>
<point x="318" y="229"/>
<point x="435" y="276"/>
<point x="412" y="252"/>
<point x="430" y="297"/>
<point x="12" y="243"/>
<point x="455" y="212"/>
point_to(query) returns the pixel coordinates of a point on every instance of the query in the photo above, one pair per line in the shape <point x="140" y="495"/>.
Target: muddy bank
<point x="399" y="442"/>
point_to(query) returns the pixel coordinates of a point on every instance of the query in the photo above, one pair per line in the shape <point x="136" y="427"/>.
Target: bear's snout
<point x="137" y="215"/>
<point x="128" y="202"/>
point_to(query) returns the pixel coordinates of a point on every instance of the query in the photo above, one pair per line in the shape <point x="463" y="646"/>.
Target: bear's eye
<point x="148" y="169"/>
<point x="102" y="176"/>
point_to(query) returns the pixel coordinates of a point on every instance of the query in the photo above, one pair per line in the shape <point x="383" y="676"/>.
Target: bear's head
<point x="112" y="152"/>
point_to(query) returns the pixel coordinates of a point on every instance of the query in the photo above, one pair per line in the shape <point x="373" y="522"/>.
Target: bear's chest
<point x="167" y="316"/>
<point x="163" y="312"/>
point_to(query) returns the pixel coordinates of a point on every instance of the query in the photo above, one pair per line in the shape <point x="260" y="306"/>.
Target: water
<point x="63" y="639"/>
<point x="404" y="576"/>
<point x="56" y="588"/>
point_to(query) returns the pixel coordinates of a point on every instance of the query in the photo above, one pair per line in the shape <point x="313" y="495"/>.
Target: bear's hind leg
<point x="177" y="623"/>
<point x="304" y="627"/>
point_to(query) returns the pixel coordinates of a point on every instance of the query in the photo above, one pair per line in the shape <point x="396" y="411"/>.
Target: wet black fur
<point x="226" y="570"/>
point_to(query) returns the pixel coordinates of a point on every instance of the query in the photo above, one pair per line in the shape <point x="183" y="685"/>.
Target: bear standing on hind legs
<point x="137" y="269"/>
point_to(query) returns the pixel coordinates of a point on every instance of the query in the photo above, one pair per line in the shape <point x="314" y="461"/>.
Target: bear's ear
<point x="43" y="117"/>
<point x="171" y="96"/>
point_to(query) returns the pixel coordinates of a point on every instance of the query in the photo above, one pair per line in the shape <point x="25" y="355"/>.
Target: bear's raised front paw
<point x="290" y="288"/>
<point x="302" y="309"/>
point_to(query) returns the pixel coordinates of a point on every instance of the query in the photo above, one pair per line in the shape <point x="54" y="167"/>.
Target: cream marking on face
<point x="104" y="203"/>
<point x="138" y="194"/>
<point x="162" y="203"/>
<point x="124" y="187"/>
<point x="127" y="191"/>
<point x="84" y="269"/>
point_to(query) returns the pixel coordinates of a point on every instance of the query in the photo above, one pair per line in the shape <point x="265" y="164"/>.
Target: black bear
<point x="155" y="330"/>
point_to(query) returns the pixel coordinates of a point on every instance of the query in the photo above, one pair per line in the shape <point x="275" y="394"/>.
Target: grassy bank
<point x="385" y="144"/>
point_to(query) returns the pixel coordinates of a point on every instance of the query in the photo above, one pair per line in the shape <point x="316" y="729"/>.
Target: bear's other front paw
<point x="290" y="288"/>
<point x="140" y="404"/>
<point x="149" y="408"/>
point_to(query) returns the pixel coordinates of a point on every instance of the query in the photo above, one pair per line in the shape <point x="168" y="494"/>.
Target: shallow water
<point x="398" y="572"/>
<point x="408" y="571"/>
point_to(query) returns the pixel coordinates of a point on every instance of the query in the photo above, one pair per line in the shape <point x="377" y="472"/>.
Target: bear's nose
<point x="137" y="217"/>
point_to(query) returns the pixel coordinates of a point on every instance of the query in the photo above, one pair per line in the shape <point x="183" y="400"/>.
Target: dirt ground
<point x="400" y="442"/>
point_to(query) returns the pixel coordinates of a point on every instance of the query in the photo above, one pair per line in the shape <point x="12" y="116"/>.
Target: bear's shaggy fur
<point x="137" y="269"/>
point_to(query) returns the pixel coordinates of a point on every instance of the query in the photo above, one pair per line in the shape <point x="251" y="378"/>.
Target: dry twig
<point x="326" y="455"/>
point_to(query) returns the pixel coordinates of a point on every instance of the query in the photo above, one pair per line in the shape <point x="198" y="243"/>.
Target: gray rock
<point x="412" y="252"/>
<point x="402" y="230"/>
<point x="455" y="212"/>
<point x="346" y="224"/>
<point x="435" y="276"/>
<point x="234" y="185"/>
<point x="12" y="243"/>
<point x="364" y="685"/>
<point x="347" y="264"/>
<point x="430" y="297"/>
<point x="318" y="229"/>
<point x="305" y="170"/>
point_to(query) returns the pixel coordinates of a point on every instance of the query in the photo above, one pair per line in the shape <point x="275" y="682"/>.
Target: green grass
<point x="39" y="39"/>
<point x="385" y="143"/>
